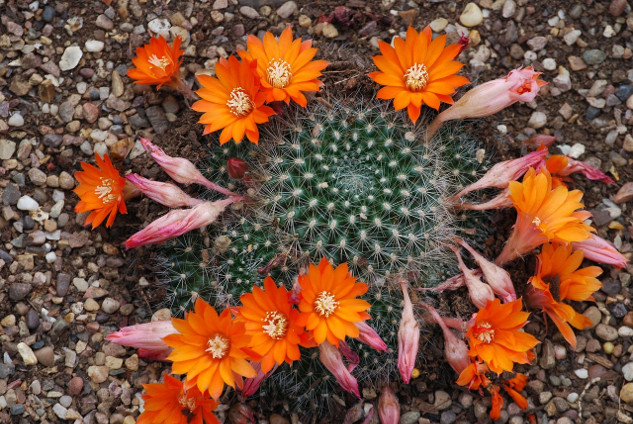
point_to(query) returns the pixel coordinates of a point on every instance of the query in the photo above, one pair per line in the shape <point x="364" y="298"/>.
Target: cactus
<point x="356" y="184"/>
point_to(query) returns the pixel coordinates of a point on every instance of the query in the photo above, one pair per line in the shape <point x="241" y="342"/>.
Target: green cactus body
<point x="353" y="184"/>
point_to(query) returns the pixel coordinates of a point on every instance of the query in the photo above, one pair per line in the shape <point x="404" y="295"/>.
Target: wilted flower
<point x="418" y="71"/>
<point x="178" y="222"/>
<point x="480" y="292"/>
<point x="496" y="339"/>
<point x="232" y="102"/>
<point x="491" y="97"/>
<point x="497" y="403"/>
<point x="543" y="215"/>
<point x="514" y="386"/>
<point x="455" y="349"/>
<point x="600" y="250"/>
<point x="388" y="406"/>
<point x="370" y="337"/>
<point x="148" y="336"/>
<point x="285" y="66"/>
<point x="408" y="337"/>
<point x="164" y="193"/>
<point x="333" y="361"/>
<point x="500" y="201"/>
<point x="474" y="376"/>
<point x="180" y="170"/>
<point x="212" y="350"/>
<point x="563" y="166"/>
<point x="158" y="63"/>
<point x="170" y="403"/>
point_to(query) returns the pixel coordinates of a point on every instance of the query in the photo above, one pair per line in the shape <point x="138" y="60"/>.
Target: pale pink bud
<point x="600" y="250"/>
<point x="178" y="222"/>
<point x="501" y="201"/>
<point x="502" y="173"/>
<point x="498" y="278"/>
<point x="180" y="169"/>
<point x="333" y="361"/>
<point x="408" y="337"/>
<point x="251" y="385"/>
<point x="587" y="170"/>
<point x="164" y="193"/>
<point x="538" y="140"/>
<point x="480" y="292"/>
<point x="455" y="349"/>
<point x="369" y="336"/>
<point x="388" y="406"/>
<point x="147" y="338"/>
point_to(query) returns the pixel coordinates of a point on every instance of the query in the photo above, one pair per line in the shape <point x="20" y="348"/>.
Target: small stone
<point x="438" y="24"/>
<point x="94" y="46"/>
<point x="104" y="22"/>
<point x="52" y="140"/>
<point x="70" y="59"/>
<point x="537" y="120"/>
<point x="7" y="149"/>
<point x="45" y="356"/>
<point x="113" y="363"/>
<point x="329" y="30"/>
<point x="549" y="64"/>
<point x="582" y="373"/>
<point x="594" y="57"/>
<point x="548" y="358"/>
<point x="91" y="305"/>
<point x="509" y="8"/>
<point x="606" y="332"/>
<point x="410" y="417"/>
<point x="60" y="411"/>
<point x="156" y="116"/>
<point x="537" y="43"/>
<point x="27" y="203"/>
<point x="220" y="4"/>
<point x="159" y="26"/>
<point x="75" y="385"/>
<point x="624" y="194"/>
<point x="626" y="394"/>
<point x="594" y="314"/>
<point x="32" y="319"/>
<point x="287" y="9"/>
<point x="471" y="16"/>
<point x="117" y="84"/>
<point x="37" y="176"/>
<point x="16" y="120"/>
<point x="544" y="397"/>
<point x="131" y="363"/>
<point x="442" y="400"/>
<point x="576" y="63"/>
<point x="98" y="374"/>
<point x="27" y="354"/>
<point x="465" y="399"/>
<point x="8" y="321"/>
<point x="563" y="80"/>
<point x="572" y="397"/>
<point x="249" y="12"/>
<point x="617" y="7"/>
<point x="19" y="291"/>
<point x="110" y="305"/>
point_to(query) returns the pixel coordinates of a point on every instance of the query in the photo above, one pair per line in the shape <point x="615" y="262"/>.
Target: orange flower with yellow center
<point x="233" y="101"/>
<point x="275" y="326"/>
<point x="496" y="339"/>
<point x="543" y="214"/>
<point x="418" y="71"/>
<point x="329" y="299"/>
<point x="169" y="403"/>
<point x="212" y="350"/>
<point x="474" y="376"/>
<point x="285" y="66"/>
<point x="158" y="63"/>
<point x="101" y="191"/>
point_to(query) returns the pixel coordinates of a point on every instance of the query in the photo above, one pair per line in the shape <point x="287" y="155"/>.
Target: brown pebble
<point x="628" y="319"/>
<point x="75" y="385"/>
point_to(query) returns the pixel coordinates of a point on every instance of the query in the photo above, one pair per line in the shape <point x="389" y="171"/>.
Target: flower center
<point x="416" y="77"/>
<point x="240" y="103"/>
<point x="104" y="191"/>
<point x="276" y="325"/>
<point x="189" y="403"/>
<point x="159" y="62"/>
<point x="218" y="346"/>
<point x="278" y="73"/>
<point x="525" y="87"/>
<point x="484" y="332"/>
<point x="325" y="304"/>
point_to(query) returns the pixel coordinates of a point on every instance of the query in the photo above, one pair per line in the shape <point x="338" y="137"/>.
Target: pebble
<point x="537" y="120"/>
<point x="594" y="57"/>
<point x="572" y="397"/>
<point x="509" y="8"/>
<point x="19" y="291"/>
<point x="594" y="314"/>
<point x="438" y="24"/>
<point x="27" y="354"/>
<point x="471" y="16"/>
<point x="104" y="22"/>
<point x="75" y="385"/>
<point x="91" y="305"/>
<point x="60" y="411"/>
<point x="576" y="63"/>
<point x="410" y="417"/>
<point x="70" y="59"/>
<point x="159" y="26"/>
<point x="625" y="331"/>
<point x="94" y="46"/>
<point x="624" y="194"/>
<point x="617" y="7"/>
<point x="32" y="319"/>
<point x="544" y="397"/>
<point x="27" y="203"/>
<point x="287" y="9"/>
<point x="606" y="332"/>
<point x="7" y="149"/>
<point x="110" y="305"/>
<point x="537" y="43"/>
<point x="442" y="400"/>
<point x="249" y="12"/>
<point x="626" y="394"/>
<point x="629" y="102"/>
<point x="563" y="80"/>
<point x="582" y="373"/>
<point x="45" y="356"/>
<point x="98" y="373"/>
<point x="329" y="30"/>
<point x="16" y="120"/>
<point x="549" y="64"/>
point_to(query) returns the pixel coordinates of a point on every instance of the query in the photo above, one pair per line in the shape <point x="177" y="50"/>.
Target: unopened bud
<point x="236" y="168"/>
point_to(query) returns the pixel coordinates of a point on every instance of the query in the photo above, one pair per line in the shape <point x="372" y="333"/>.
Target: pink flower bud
<point x="600" y="250"/>
<point x="178" y="222"/>
<point x="251" y="385"/>
<point x="455" y="349"/>
<point x="587" y="170"/>
<point x="369" y="336"/>
<point x="333" y="361"/>
<point x="388" y="406"/>
<point x="240" y="413"/>
<point x="408" y="337"/>
<point x="147" y="338"/>
<point x="498" y="278"/>
<point x="502" y="173"/>
<point x="236" y="168"/>
<point x="180" y="169"/>
<point x="164" y="193"/>
<point x="501" y="201"/>
<point x="480" y="292"/>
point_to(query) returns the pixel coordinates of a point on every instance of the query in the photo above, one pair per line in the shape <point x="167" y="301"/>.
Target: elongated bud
<point x="180" y="169"/>
<point x="369" y="336"/>
<point x="333" y="361"/>
<point x="164" y="193"/>
<point x="480" y="292"/>
<point x="501" y="201"/>
<point x="455" y="349"/>
<point x="147" y="338"/>
<point x="408" y="337"/>
<point x="600" y="250"/>
<point x="236" y="168"/>
<point x="388" y="406"/>
<point x="251" y="385"/>
<point x="178" y="222"/>
<point x="498" y="278"/>
<point x="502" y="173"/>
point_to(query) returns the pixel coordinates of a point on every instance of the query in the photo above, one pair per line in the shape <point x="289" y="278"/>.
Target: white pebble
<point x="471" y="16"/>
<point x="560" y="352"/>
<point x="16" y="120"/>
<point x="70" y="59"/>
<point x="27" y="203"/>
<point x="159" y="26"/>
<point x="549" y="64"/>
<point x="577" y="150"/>
<point x="625" y="331"/>
<point x="582" y="373"/>
<point x="572" y="397"/>
<point x="537" y="120"/>
<point x="51" y="257"/>
<point x="627" y="371"/>
<point x="502" y="129"/>
<point x="94" y="45"/>
<point x="27" y="354"/>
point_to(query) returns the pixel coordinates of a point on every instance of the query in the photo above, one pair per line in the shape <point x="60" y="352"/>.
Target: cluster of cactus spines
<point x="354" y="184"/>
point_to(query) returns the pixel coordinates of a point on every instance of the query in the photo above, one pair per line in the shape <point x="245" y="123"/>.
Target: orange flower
<point x="554" y="165"/>
<point x="285" y="66"/>
<point x="232" y="101"/>
<point x="169" y="403"/>
<point x="328" y="297"/>
<point x="212" y="350"/>
<point x="276" y="327"/>
<point x="514" y="386"/>
<point x="158" y="63"/>
<point x="418" y="71"/>
<point x="100" y="191"/>
<point x="474" y="376"/>
<point x="518" y="382"/>
<point x="495" y="337"/>
<point x="543" y="214"/>
<point x="497" y="403"/>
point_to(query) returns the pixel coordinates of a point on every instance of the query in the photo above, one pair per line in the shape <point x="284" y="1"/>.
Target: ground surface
<point x="63" y="287"/>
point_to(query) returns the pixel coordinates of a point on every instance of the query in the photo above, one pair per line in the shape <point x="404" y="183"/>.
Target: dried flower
<point x="474" y="376"/>
<point x="418" y="71"/>
<point x="328" y="297"/>
<point x="170" y="403"/>
<point x="501" y="201"/>
<point x="600" y="250"/>
<point x="543" y="215"/>
<point x="497" y="403"/>
<point x="496" y="339"/>
<point x="212" y="350"/>
<point x="158" y="63"/>
<point x="332" y="359"/>
<point x="455" y="349"/>
<point x="101" y="191"/>
<point x="178" y="222"/>
<point x="563" y="166"/>
<point x="148" y="336"/>
<point x="164" y="193"/>
<point x="480" y="292"/>
<point x="285" y="66"/>
<point x="514" y="386"/>
<point x="408" y="337"/>
<point x="232" y="102"/>
<point x="388" y="406"/>
<point x="370" y="337"/>
<point x="236" y="168"/>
